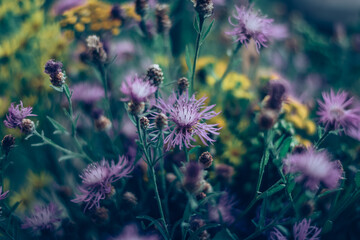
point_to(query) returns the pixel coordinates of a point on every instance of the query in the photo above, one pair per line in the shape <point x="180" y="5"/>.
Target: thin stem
<point x="163" y="180"/>
<point x="158" y="200"/>
<point x="232" y="58"/>
<point x="107" y="97"/>
<point x="197" y="49"/>
<point x="186" y="153"/>
<point x="322" y="139"/>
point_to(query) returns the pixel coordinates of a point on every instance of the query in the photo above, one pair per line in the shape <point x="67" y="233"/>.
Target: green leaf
<point x="327" y="226"/>
<point x="197" y="24"/>
<point x="285" y="147"/>
<point x="70" y="156"/>
<point x="329" y="192"/>
<point x="291" y="186"/>
<point x="38" y="144"/>
<point x="274" y="190"/>
<point x="156" y="223"/>
<point x="58" y="89"/>
<point x="263" y="213"/>
<point x="194" y="149"/>
<point x="59" y="128"/>
<point x="207" y="31"/>
<point x="67" y="91"/>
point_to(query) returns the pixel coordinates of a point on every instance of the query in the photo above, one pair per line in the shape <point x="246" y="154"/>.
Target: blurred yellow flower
<point x="25" y="197"/>
<point x="234" y="150"/>
<point x="39" y="181"/>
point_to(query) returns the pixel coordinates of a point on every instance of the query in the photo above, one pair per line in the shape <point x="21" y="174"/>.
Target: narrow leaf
<point x="60" y="128"/>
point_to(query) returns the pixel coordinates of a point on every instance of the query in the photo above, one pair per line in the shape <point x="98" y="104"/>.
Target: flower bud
<point x="277" y="94"/>
<point x="162" y="19"/>
<point x="136" y="108"/>
<point x="102" y="123"/>
<point x="182" y="84"/>
<point x="155" y="75"/>
<point x="224" y="172"/>
<point x="7" y="143"/>
<point x="161" y="121"/>
<point x="144" y="122"/>
<point x="298" y="149"/>
<point x="141" y="7"/>
<point x="205" y="8"/>
<point x="267" y="118"/>
<point x="100" y="216"/>
<point x="27" y="126"/>
<point x="54" y="70"/>
<point x="206" y="159"/>
<point x="96" y="49"/>
<point x="130" y="199"/>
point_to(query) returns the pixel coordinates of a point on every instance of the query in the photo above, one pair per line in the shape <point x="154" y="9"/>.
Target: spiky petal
<point x="16" y="114"/>
<point x="136" y="89"/>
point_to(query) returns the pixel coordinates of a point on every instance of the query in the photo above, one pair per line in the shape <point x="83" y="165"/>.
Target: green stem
<point x="107" y="97"/>
<point x="163" y="180"/>
<point x="322" y="139"/>
<point x="197" y="49"/>
<point x="186" y="153"/>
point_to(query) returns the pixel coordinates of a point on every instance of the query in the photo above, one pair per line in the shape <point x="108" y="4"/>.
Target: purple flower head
<point x="188" y="115"/>
<point x="136" y="89"/>
<point x="87" y="93"/>
<point x="3" y="195"/>
<point x="223" y="211"/>
<point x="336" y="111"/>
<point x="193" y="177"/>
<point x="301" y="231"/>
<point x="53" y="67"/>
<point x="131" y="231"/>
<point x="313" y="168"/>
<point x="97" y="179"/>
<point x="43" y="218"/>
<point x="250" y="24"/>
<point x="16" y="114"/>
<point x="278" y="32"/>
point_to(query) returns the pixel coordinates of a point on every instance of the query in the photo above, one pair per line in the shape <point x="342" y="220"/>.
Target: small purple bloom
<point x="97" y="179"/>
<point x="223" y="211"/>
<point x="188" y="115"/>
<point x="87" y="93"/>
<point x="43" y="218"/>
<point x="313" y="168"/>
<point x="336" y="111"/>
<point x="193" y="177"/>
<point x="3" y="195"/>
<point x="16" y="114"/>
<point x="136" y="89"/>
<point x="250" y="24"/>
<point x="131" y="231"/>
<point x="301" y="231"/>
<point x="53" y="67"/>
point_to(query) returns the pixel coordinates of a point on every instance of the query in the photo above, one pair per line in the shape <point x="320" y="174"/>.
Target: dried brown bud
<point x="161" y="121"/>
<point x="307" y="209"/>
<point x="144" y="122"/>
<point x="299" y="149"/>
<point x="57" y="80"/>
<point x="96" y="49"/>
<point x="130" y="199"/>
<point x="205" y="8"/>
<point x="7" y="143"/>
<point x="102" y="123"/>
<point x="155" y="75"/>
<point x="100" y="216"/>
<point x="267" y="118"/>
<point x="136" y="108"/>
<point x="141" y="7"/>
<point x="183" y="84"/>
<point x="163" y="21"/>
<point x="206" y="159"/>
<point x="27" y="126"/>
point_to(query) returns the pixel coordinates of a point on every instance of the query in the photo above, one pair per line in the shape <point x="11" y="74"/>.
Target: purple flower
<point x="188" y="115"/>
<point x="193" y="177"/>
<point x="3" y="195"/>
<point x="301" y="231"/>
<point x="97" y="179"/>
<point x="16" y="114"/>
<point x="337" y="111"/>
<point x="62" y="5"/>
<point x="87" y="93"/>
<point x="43" y="218"/>
<point x="250" y="24"/>
<point x="313" y="168"/>
<point x="136" y="89"/>
<point x="131" y="231"/>
<point x="223" y="211"/>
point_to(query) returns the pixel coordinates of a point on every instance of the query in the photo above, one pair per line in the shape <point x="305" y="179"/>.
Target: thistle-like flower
<point x="250" y="24"/>
<point x="313" y="168"/>
<point x="132" y="232"/>
<point x="301" y="231"/>
<point x="223" y="211"/>
<point x="3" y="195"/>
<point x="97" y="179"/>
<point x="43" y="218"/>
<point x="87" y="93"/>
<point x="193" y="181"/>
<point x="16" y="115"/>
<point x="188" y="115"/>
<point x="7" y="143"/>
<point x="136" y="89"/>
<point x="336" y="111"/>
<point x="54" y="70"/>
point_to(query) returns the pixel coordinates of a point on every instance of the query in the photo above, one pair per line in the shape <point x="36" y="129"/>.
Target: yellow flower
<point x="79" y="27"/>
<point x="296" y="120"/>
<point x="303" y="141"/>
<point x="25" y="197"/>
<point x="129" y="9"/>
<point x="39" y="181"/>
<point x="234" y="151"/>
<point x="235" y="80"/>
<point x="310" y="127"/>
<point x="243" y="124"/>
<point x="115" y="31"/>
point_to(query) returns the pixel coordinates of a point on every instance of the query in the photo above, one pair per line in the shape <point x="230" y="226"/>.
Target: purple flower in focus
<point x="250" y="24"/>
<point x="131" y="231"/>
<point x="43" y="218"/>
<point x="136" y="89"/>
<point x="3" y="195"/>
<point x="16" y="114"/>
<point x="223" y="211"/>
<point x="87" y="93"/>
<point x="313" y="168"/>
<point x="337" y="111"/>
<point x="301" y="231"/>
<point x="187" y="114"/>
<point x="97" y="179"/>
